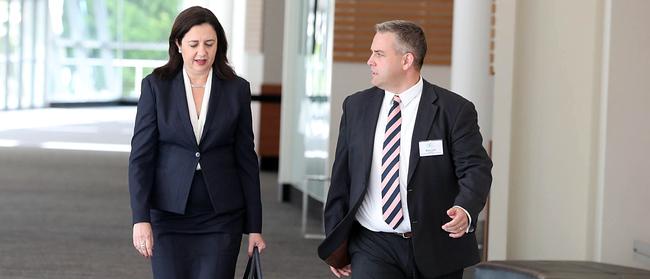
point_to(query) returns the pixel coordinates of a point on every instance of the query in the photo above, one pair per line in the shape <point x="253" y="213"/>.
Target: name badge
<point x="431" y="148"/>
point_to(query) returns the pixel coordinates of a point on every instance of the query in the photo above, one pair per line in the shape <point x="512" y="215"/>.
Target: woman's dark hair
<point x="184" y="22"/>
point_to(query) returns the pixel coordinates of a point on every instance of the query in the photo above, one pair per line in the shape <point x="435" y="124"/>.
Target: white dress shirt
<point x="370" y="212"/>
<point x="370" y="215"/>
<point x="198" y="121"/>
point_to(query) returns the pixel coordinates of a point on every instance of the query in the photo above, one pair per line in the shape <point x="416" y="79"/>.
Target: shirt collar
<point x="409" y="94"/>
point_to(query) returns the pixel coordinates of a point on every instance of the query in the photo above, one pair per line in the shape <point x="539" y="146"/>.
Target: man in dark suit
<point x="410" y="174"/>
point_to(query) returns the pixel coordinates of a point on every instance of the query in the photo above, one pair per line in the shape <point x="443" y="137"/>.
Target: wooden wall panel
<point x="354" y="26"/>
<point x="269" y="143"/>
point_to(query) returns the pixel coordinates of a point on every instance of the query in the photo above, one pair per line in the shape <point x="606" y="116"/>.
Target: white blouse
<point x="198" y="121"/>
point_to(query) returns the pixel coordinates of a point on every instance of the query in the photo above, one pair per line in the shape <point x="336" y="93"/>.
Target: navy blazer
<point x="460" y="176"/>
<point x="164" y="152"/>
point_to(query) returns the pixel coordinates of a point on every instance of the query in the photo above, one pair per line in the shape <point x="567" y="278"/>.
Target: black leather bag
<point x="254" y="268"/>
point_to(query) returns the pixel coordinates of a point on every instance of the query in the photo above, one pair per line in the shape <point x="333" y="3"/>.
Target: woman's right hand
<point x="143" y="239"/>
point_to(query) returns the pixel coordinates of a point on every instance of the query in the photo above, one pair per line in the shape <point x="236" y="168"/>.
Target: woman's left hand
<point x="255" y="239"/>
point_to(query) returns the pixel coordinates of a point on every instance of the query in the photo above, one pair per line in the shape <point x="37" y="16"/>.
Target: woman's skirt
<point x="198" y="244"/>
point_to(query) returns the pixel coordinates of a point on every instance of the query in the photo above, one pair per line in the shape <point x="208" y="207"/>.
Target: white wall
<point x="570" y="139"/>
<point x="626" y="192"/>
<point x="291" y="169"/>
<point x="272" y="40"/>
<point x="502" y="129"/>
<point x="470" y="59"/>
<point x="251" y="12"/>
<point x="553" y="121"/>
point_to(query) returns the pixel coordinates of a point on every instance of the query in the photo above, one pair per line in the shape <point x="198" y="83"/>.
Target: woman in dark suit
<point x="193" y="171"/>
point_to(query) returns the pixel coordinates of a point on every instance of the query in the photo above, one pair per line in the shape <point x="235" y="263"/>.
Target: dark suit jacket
<point x="461" y="176"/>
<point x="164" y="152"/>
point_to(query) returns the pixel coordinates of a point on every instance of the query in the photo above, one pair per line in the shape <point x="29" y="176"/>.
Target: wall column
<point x="470" y="59"/>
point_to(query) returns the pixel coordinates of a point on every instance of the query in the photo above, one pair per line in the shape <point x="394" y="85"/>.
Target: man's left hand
<point x="458" y="224"/>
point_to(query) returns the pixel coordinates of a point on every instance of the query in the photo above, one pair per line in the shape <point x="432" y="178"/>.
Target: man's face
<point x="386" y="63"/>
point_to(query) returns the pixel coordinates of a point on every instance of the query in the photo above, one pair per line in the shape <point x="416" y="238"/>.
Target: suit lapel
<point x="216" y="91"/>
<point x="423" y="121"/>
<point x="180" y="101"/>
<point x="370" y="125"/>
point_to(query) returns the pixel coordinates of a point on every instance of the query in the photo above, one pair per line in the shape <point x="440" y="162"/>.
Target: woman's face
<point x="198" y="48"/>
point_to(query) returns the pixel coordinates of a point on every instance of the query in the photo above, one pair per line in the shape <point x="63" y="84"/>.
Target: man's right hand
<point x="345" y="271"/>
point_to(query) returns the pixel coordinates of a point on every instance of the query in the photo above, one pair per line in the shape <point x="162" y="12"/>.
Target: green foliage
<point x="146" y="20"/>
<point x="128" y="20"/>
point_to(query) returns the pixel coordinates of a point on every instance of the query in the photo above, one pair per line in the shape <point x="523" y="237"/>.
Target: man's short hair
<point x="410" y="38"/>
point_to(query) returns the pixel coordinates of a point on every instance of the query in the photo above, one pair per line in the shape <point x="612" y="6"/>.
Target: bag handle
<point x="254" y="267"/>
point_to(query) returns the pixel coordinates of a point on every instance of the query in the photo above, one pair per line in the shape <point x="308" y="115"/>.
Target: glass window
<point x="103" y="46"/>
<point x="80" y="50"/>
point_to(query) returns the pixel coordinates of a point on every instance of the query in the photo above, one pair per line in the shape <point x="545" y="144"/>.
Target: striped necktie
<point x="390" y="197"/>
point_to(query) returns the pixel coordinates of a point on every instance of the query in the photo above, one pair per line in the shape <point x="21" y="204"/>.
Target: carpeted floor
<point x="65" y="214"/>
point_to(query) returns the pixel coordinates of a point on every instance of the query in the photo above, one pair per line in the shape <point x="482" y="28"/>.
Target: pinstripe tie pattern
<point x="391" y="200"/>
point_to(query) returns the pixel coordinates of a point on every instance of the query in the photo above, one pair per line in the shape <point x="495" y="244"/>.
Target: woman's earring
<point x="179" y="51"/>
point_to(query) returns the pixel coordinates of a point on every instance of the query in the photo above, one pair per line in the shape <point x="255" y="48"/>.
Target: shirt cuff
<point x="469" y="217"/>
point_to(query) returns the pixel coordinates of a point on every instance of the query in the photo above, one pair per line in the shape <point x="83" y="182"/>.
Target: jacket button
<point x="409" y="190"/>
<point x="414" y="221"/>
<point x="197" y="154"/>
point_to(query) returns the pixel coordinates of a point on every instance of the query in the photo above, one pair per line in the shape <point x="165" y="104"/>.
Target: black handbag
<point x="254" y="268"/>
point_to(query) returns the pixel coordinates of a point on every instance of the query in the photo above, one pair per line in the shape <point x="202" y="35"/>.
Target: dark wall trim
<point x="254" y="98"/>
<point x="93" y="104"/>
<point x="266" y="98"/>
